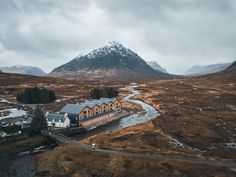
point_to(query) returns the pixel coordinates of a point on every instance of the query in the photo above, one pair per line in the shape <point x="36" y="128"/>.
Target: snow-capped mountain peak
<point x="111" y="47"/>
<point x="18" y="66"/>
<point x="115" y="44"/>
<point x="112" y="61"/>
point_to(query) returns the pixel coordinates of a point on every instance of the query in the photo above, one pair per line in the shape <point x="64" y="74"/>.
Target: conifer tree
<point x="39" y="121"/>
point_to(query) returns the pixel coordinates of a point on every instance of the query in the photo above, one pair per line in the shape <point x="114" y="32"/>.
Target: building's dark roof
<point x="72" y="108"/>
<point x="56" y="117"/>
<point x="77" y="108"/>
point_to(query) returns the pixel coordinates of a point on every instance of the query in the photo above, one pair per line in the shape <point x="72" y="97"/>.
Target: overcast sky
<point x="176" y="33"/>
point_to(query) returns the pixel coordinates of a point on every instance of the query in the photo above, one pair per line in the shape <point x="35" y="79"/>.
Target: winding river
<point x="150" y="112"/>
<point x="24" y="162"/>
<point x="147" y="114"/>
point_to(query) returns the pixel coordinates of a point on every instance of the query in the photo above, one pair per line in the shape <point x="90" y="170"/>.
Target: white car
<point x="93" y="145"/>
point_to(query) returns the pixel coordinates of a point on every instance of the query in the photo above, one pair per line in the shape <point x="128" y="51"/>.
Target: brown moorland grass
<point x="71" y="161"/>
<point x="199" y="112"/>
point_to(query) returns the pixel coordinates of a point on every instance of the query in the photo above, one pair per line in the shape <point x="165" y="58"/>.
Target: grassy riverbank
<point x="198" y="112"/>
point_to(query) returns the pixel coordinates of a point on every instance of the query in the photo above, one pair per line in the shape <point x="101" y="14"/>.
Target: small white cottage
<point x="58" y="120"/>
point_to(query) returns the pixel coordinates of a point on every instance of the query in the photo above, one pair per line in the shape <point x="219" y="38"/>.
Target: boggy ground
<point x="67" y="91"/>
<point x="73" y="162"/>
<point x="197" y="112"/>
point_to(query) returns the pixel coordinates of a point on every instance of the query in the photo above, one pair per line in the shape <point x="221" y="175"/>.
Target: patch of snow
<point x="124" y="89"/>
<point x="2" y="100"/>
<point x="232" y="107"/>
<point x="109" y="48"/>
<point x="140" y="141"/>
<point x="221" y="124"/>
<point x="58" y="101"/>
<point x="178" y="144"/>
<point x="233" y="169"/>
<point x="24" y="153"/>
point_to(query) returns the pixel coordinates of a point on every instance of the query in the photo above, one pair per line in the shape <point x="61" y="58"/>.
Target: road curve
<point x="149" y="115"/>
<point x="219" y="163"/>
<point x="67" y="140"/>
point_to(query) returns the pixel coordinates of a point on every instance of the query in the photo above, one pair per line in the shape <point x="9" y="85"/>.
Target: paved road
<point x="219" y="163"/>
<point x="67" y="140"/>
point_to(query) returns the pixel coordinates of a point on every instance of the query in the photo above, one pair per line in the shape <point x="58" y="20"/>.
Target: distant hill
<point x="208" y="69"/>
<point x="227" y="76"/>
<point x="232" y="66"/>
<point x="111" y="62"/>
<point x="156" y="66"/>
<point x="13" y="79"/>
<point x="20" y="69"/>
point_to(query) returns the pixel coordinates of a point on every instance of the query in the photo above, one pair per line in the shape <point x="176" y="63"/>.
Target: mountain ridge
<point x="156" y="66"/>
<point x="21" y="69"/>
<point x="206" y="69"/>
<point x="232" y="66"/>
<point x="110" y="62"/>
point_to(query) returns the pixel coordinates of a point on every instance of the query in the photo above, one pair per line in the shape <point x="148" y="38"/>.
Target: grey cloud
<point x="175" y="33"/>
<point x="194" y="31"/>
<point x="161" y="9"/>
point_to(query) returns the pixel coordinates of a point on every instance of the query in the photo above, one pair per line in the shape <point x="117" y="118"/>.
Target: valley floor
<point x="197" y="120"/>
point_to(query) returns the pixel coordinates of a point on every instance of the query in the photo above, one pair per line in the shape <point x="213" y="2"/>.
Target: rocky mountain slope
<point x="20" y="69"/>
<point x="232" y="67"/>
<point x="201" y="70"/>
<point x="156" y="66"/>
<point x="111" y="62"/>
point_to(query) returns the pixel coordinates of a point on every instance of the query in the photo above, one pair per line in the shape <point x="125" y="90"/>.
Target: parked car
<point x="2" y="134"/>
